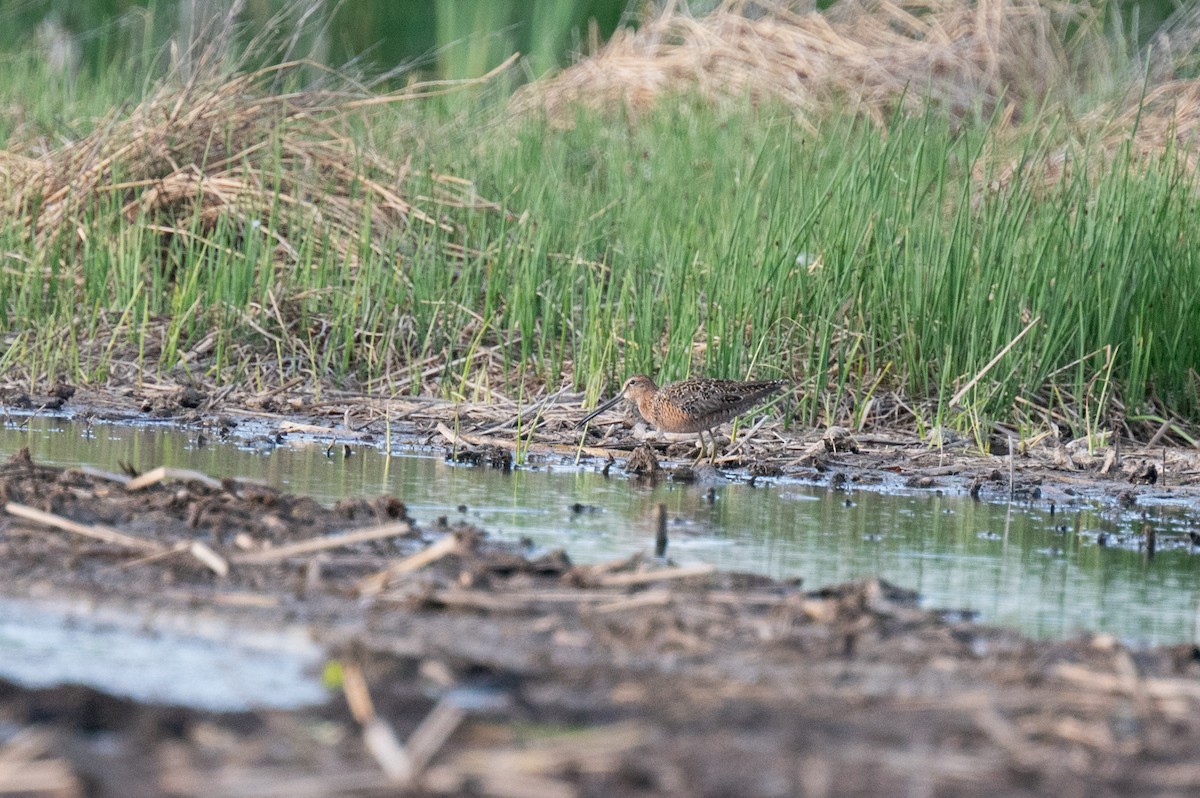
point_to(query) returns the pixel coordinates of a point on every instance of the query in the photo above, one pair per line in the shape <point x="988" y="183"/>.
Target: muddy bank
<point x="462" y="666"/>
<point x="1045" y="467"/>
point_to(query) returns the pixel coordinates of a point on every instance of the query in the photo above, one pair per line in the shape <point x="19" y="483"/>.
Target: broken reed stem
<point x="971" y="383"/>
<point x="163" y="473"/>
<point x="643" y="577"/>
<point x="429" y="737"/>
<point x="378" y="736"/>
<point x="376" y="582"/>
<point x="649" y="598"/>
<point x="358" y="697"/>
<point x="456" y="438"/>
<point x="155" y="551"/>
<point x="335" y="433"/>
<point x="179" y="548"/>
<point x="204" y="553"/>
<point x="323" y="543"/>
<point x="474" y="440"/>
<point x="742" y="441"/>
<point x="400" y="762"/>
<point x="102" y="533"/>
<point x="431" y="88"/>
<point x="1162" y="688"/>
<point x="39" y="777"/>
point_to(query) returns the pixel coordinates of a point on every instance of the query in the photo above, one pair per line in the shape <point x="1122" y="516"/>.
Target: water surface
<point x="1017" y="565"/>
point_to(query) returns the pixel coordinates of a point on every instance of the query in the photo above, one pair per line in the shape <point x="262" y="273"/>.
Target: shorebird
<point x="696" y="405"/>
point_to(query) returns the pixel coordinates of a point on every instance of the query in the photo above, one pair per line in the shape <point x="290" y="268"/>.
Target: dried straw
<point x="874" y="57"/>
<point x="228" y="146"/>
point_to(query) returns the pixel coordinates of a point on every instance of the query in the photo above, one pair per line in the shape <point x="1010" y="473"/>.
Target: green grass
<point x="735" y="244"/>
<point x="867" y="265"/>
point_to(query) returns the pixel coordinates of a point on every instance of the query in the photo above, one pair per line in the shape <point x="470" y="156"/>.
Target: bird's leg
<point x="708" y="449"/>
<point x="703" y="449"/>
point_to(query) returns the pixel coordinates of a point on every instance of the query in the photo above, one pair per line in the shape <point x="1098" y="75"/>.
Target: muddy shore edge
<point x="1044" y="467"/>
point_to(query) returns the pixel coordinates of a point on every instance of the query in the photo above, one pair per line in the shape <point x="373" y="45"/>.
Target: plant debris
<point x="468" y="666"/>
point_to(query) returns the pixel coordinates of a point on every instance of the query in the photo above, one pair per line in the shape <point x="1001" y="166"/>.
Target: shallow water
<point x="1017" y="565"/>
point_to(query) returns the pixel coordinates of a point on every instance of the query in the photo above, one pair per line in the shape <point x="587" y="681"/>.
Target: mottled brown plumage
<point x="695" y="405"/>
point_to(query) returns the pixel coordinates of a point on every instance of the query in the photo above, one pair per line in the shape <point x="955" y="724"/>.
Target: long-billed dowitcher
<point x="696" y="405"/>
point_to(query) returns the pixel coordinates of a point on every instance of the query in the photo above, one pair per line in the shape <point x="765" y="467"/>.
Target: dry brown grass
<point x="874" y="57"/>
<point x="230" y="146"/>
<point x="996" y="58"/>
<point x="1163" y="121"/>
<point x="1166" y="118"/>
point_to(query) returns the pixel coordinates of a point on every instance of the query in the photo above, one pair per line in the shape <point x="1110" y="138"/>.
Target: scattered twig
<point x="1158" y="435"/>
<point x="278" y="389"/>
<point x="433" y="88"/>
<point x="591" y="750"/>
<point x="50" y="777"/>
<point x="530" y="412"/>
<point x="612" y="566"/>
<point x="496" y="601"/>
<point x="1163" y="689"/>
<point x="24" y="771"/>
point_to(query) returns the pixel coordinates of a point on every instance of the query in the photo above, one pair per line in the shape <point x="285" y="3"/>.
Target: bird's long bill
<point x="599" y="410"/>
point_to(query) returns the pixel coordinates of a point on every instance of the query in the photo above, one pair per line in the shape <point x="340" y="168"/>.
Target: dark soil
<point x="486" y="672"/>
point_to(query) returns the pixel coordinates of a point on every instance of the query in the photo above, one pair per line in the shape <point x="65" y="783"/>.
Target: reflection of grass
<point x="223" y="232"/>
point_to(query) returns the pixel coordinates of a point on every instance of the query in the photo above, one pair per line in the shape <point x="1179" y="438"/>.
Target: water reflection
<point x="1045" y="574"/>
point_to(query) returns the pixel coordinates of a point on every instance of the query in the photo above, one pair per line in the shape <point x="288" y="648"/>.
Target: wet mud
<point x="458" y="665"/>
<point x="501" y="435"/>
